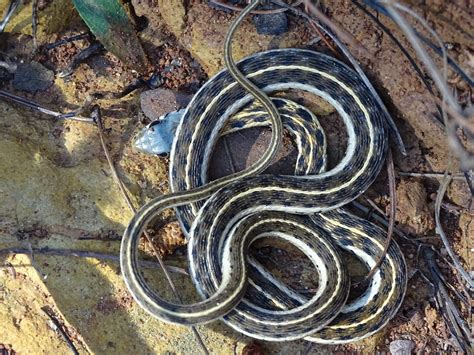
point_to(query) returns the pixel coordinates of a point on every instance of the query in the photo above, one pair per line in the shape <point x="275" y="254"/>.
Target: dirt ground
<point x="57" y="191"/>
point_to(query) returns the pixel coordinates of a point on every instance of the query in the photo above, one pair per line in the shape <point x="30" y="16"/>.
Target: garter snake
<point x="300" y="209"/>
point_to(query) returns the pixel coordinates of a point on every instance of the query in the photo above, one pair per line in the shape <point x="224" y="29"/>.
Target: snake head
<point x="157" y="137"/>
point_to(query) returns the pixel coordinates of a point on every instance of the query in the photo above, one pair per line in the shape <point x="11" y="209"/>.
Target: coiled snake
<point x="303" y="209"/>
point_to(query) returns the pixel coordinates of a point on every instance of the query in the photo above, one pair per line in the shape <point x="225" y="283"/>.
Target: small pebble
<point x="417" y="319"/>
<point x="158" y="102"/>
<point x="32" y="77"/>
<point x="253" y="348"/>
<point x="401" y="347"/>
<point x="271" y="24"/>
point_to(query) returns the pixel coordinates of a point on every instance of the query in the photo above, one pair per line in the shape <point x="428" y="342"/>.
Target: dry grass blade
<point x="405" y="52"/>
<point x="431" y="175"/>
<point x="34" y="24"/>
<point x="60" y="329"/>
<point x="393" y="210"/>
<point x="12" y="6"/>
<point x="337" y="29"/>
<point x="439" y="230"/>
<point x="449" y="101"/>
<point x="450" y="312"/>
<point x="86" y="254"/>
<point x="254" y="12"/>
<point x="97" y="116"/>
<point x="74" y="116"/>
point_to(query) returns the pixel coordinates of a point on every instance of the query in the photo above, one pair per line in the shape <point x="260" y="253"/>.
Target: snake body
<point x="300" y="209"/>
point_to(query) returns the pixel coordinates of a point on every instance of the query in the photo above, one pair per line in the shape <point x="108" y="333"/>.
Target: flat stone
<point x="32" y="77"/>
<point x="271" y="24"/>
<point x="401" y="347"/>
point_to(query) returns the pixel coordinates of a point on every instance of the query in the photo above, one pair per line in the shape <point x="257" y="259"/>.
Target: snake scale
<point x="224" y="217"/>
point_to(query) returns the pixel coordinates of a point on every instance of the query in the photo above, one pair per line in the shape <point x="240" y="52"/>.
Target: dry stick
<point x="34" y="24"/>
<point x="37" y="107"/>
<point x="81" y="36"/>
<point x="381" y="218"/>
<point x="59" y="326"/>
<point x="448" y="98"/>
<point x="430" y="175"/>
<point x="97" y="116"/>
<point x="254" y="12"/>
<point x="338" y="30"/>
<point x="11" y="8"/>
<point x="439" y="230"/>
<point x="393" y="210"/>
<point x="321" y="34"/>
<point x="453" y="106"/>
<point x="86" y="254"/>
<point x="467" y="161"/>
<point x="405" y="52"/>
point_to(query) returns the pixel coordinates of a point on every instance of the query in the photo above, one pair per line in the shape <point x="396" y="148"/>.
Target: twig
<point x="374" y="205"/>
<point x="438" y="50"/>
<point x="254" y="12"/>
<point x="430" y="175"/>
<point x="86" y="254"/>
<point x="439" y="230"/>
<point x="446" y="306"/>
<point x="64" y="41"/>
<point x="34" y="24"/>
<point x="337" y="29"/>
<point x="381" y="218"/>
<point x="455" y="66"/>
<point x="320" y="33"/>
<point x="37" y="107"/>
<point x="12" y="6"/>
<point x="80" y="57"/>
<point x="96" y="114"/>
<point x="405" y="52"/>
<point x="449" y="101"/>
<point x="391" y="221"/>
<point x="393" y="210"/>
<point x="61" y="330"/>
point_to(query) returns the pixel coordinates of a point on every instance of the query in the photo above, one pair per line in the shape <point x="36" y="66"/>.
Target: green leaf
<point x="109" y="22"/>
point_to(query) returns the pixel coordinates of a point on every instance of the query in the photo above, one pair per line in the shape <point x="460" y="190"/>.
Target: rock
<point x="417" y="319"/>
<point x="271" y="24"/>
<point x="412" y="211"/>
<point x="401" y="347"/>
<point x="459" y="193"/>
<point x="156" y="103"/>
<point x="32" y="77"/>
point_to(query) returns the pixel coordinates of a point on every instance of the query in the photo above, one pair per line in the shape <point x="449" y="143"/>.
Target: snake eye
<point x="164" y="155"/>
